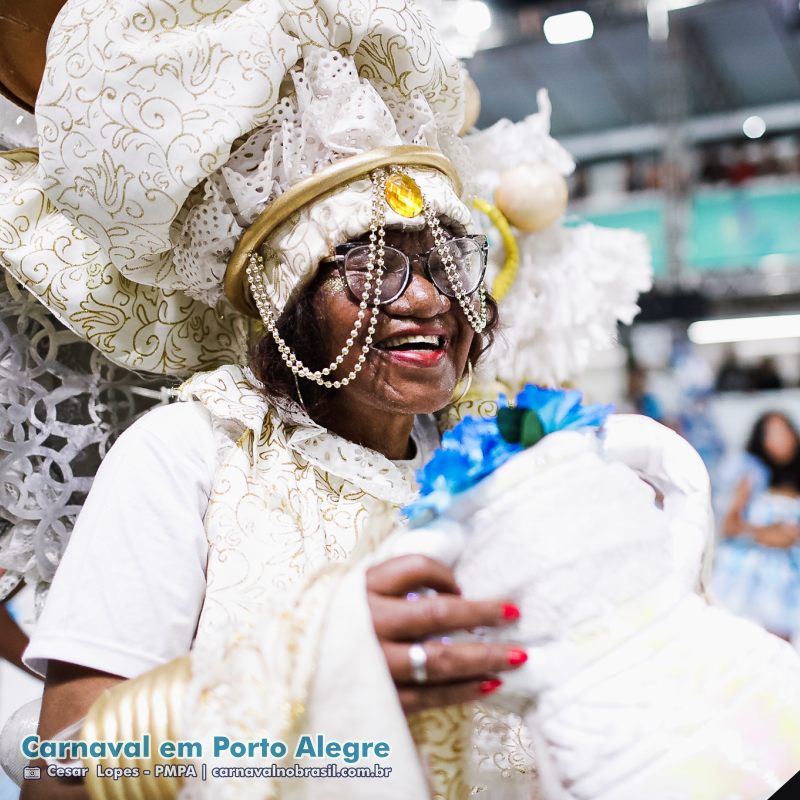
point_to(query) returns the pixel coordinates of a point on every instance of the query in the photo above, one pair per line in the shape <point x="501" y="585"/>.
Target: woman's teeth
<point x="412" y="343"/>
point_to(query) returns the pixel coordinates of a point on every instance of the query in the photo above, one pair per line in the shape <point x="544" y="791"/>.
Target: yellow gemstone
<point x="403" y="195"/>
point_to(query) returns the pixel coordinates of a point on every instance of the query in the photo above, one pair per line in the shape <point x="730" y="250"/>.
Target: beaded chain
<point x="476" y="319"/>
<point x="375" y="269"/>
<point x="370" y="298"/>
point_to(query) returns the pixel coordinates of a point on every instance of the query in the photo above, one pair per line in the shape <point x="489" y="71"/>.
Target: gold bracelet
<point x="150" y="704"/>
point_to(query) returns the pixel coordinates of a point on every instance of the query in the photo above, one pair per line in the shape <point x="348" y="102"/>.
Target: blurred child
<point x="757" y="570"/>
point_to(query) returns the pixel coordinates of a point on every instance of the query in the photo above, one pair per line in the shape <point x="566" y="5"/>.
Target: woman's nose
<point x="420" y="299"/>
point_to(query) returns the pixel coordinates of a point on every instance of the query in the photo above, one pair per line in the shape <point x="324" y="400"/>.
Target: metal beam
<point x="713" y="127"/>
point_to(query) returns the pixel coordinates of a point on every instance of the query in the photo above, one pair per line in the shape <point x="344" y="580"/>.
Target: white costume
<point x="328" y="502"/>
<point x="166" y="499"/>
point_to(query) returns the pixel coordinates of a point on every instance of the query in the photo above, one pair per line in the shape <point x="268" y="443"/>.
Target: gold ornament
<point x="508" y="272"/>
<point x="403" y="195"/>
<point x="466" y="387"/>
<point x="150" y="704"/>
<point x="532" y="196"/>
<point x="311" y="189"/>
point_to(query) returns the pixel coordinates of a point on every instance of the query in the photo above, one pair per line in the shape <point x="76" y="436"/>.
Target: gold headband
<point x="313" y="188"/>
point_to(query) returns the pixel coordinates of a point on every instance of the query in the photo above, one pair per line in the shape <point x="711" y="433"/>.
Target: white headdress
<point x="166" y="131"/>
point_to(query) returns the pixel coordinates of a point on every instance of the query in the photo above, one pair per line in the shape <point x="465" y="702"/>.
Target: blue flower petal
<point x="475" y="448"/>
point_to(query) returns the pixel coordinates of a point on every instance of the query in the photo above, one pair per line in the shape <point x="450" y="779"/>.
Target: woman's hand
<point x="457" y="672"/>
<point x="781" y="535"/>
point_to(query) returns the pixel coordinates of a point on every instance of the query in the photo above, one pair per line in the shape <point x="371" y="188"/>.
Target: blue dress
<point x="756" y="581"/>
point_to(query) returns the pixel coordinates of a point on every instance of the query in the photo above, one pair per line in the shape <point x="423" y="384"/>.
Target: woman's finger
<point x="454" y="662"/>
<point x="402" y="574"/>
<point x="425" y="697"/>
<point x="402" y="621"/>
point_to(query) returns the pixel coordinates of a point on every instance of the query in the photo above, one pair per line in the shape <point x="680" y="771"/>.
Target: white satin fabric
<point x="636" y="686"/>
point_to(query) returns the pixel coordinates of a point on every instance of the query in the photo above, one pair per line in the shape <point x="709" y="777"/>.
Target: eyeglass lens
<point x="466" y="254"/>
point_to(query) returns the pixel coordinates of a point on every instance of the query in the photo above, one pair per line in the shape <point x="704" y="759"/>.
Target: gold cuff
<point x="150" y="704"/>
<point x="313" y="188"/>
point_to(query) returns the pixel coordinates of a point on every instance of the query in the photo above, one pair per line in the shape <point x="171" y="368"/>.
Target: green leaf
<point x="509" y="423"/>
<point x="531" y="430"/>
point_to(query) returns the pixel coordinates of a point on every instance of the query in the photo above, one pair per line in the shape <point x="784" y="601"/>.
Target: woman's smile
<point x="416" y="346"/>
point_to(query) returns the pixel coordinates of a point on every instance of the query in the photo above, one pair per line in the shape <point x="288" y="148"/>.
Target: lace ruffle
<point x="231" y="393"/>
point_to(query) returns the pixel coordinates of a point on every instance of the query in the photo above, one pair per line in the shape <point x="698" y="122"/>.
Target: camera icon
<point x="32" y="773"/>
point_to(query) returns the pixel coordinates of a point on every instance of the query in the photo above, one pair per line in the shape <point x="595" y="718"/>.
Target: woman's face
<point x="409" y="377"/>
<point x="779" y="440"/>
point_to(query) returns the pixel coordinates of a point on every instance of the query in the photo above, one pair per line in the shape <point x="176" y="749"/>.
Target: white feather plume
<point x="574" y="282"/>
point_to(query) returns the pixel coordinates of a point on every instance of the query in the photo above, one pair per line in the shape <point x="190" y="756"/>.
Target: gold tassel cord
<point x="508" y="272"/>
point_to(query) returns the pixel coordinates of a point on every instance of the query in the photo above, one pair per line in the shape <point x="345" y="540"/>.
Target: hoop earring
<point x="466" y="387"/>
<point x="300" y="395"/>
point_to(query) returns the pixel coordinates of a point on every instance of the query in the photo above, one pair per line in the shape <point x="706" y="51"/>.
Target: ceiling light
<point x="674" y="5"/>
<point x="754" y="127"/>
<point x="565" y="28"/>
<point x="744" y="329"/>
<point x="657" y="21"/>
<point x="473" y="18"/>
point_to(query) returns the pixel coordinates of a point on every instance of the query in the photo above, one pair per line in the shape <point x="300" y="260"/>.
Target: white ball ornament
<point x="532" y="196"/>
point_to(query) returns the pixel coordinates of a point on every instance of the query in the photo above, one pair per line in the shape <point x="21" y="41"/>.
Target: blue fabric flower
<point x="562" y="409"/>
<point x="476" y="447"/>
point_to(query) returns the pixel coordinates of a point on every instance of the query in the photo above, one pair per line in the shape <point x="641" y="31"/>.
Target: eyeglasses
<point x="468" y="255"/>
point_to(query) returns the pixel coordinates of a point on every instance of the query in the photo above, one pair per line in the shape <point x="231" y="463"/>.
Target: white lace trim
<point x="231" y="394"/>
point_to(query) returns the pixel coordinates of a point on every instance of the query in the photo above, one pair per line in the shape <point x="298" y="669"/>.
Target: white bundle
<point x="636" y="687"/>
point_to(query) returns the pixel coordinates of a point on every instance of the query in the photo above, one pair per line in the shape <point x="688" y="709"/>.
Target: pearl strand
<point x="375" y="269"/>
<point x="477" y="320"/>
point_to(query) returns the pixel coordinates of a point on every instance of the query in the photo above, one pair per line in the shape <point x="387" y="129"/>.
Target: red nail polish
<point x="487" y="687"/>
<point x="510" y="612"/>
<point x="517" y="657"/>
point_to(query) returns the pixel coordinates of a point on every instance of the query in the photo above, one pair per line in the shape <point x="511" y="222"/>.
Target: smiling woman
<point x="420" y="350"/>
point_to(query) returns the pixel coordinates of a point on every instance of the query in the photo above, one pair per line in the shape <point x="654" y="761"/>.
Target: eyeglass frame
<point x="339" y="259"/>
